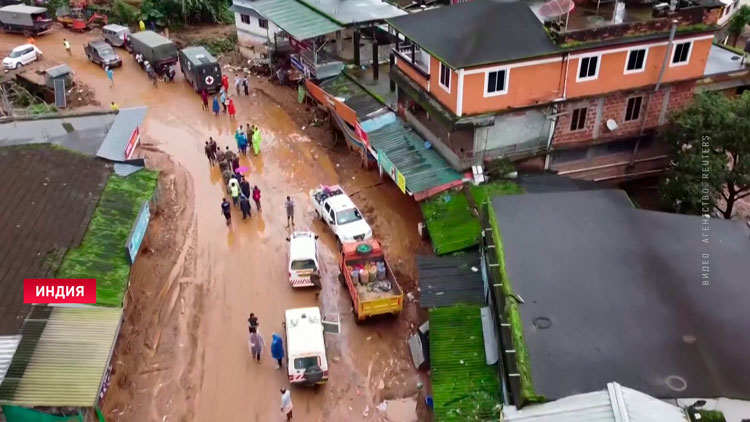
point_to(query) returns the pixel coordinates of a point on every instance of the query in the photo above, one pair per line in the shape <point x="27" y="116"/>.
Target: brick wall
<point x="614" y="107"/>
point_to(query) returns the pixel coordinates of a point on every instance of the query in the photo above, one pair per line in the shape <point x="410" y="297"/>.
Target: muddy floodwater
<point x="182" y="354"/>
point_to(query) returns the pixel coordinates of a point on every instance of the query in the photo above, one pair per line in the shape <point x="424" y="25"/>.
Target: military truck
<point x="27" y="20"/>
<point x="158" y="50"/>
<point x="201" y="69"/>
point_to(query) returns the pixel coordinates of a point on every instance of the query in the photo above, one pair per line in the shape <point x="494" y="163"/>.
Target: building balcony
<point x="413" y="56"/>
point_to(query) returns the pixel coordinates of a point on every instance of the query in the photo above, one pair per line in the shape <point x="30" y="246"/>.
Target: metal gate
<point x="60" y="100"/>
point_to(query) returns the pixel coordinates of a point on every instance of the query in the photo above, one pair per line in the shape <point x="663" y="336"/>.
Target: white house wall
<point x="252" y="33"/>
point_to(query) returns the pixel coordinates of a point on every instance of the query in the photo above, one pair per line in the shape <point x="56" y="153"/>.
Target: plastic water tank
<point x="364" y="276"/>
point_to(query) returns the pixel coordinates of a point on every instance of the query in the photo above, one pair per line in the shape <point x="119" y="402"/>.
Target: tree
<point x="710" y="144"/>
<point x="737" y="23"/>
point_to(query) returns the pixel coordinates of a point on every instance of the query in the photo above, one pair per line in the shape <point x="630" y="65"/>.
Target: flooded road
<point x="183" y="353"/>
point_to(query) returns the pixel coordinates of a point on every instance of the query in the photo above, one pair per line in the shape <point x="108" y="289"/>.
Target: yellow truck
<point x="370" y="280"/>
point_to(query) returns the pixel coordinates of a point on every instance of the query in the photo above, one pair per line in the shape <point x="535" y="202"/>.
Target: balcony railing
<point x="411" y="55"/>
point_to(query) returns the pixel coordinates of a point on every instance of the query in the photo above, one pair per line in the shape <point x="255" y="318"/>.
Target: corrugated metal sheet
<point x="464" y="387"/>
<point x="344" y="88"/>
<point x="446" y="281"/>
<point x="300" y="21"/>
<point x="347" y="12"/>
<point x="8" y="345"/>
<point x="423" y="168"/>
<point x="615" y="404"/>
<point x="113" y="147"/>
<point x="62" y="358"/>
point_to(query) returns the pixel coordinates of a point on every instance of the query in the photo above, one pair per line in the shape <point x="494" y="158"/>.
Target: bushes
<point x="218" y="46"/>
<point x="123" y="13"/>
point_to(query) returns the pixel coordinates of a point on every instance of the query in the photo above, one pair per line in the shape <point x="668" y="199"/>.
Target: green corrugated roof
<point x="464" y="387"/>
<point x="423" y="168"/>
<point x="293" y="17"/>
<point x="63" y="357"/>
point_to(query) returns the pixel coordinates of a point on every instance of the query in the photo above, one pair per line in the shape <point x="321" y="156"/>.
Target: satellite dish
<point x="556" y="8"/>
<point x="612" y="125"/>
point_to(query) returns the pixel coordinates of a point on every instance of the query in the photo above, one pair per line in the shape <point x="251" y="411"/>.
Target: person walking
<point x="219" y="155"/>
<point x="241" y="141"/>
<point x="110" y="76"/>
<point x="289" y="205"/>
<point x="231" y="109"/>
<point x="214" y="147"/>
<point x="245" y="206"/>
<point x="256" y="140"/>
<point x="235" y="163"/>
<point x="224" y="101"/>
<point x="114" y="107"/>
<point x="226" y="210"/>
<point x="237" y="83"/>
<point x="66" y="44"/>
<point x="210" y="154"/>
<point x="204" y="99"/>
<point x="286" y="403"/>
<point x="245" y="187"/>
<point x="234" y="190"/>
<point x="277" y="350"/>
<point x="256" y="197"/>
<point x="253" y="322"/>
<point x="225" y="82"/>
<point x="246" y="85"/>
<point x="216" y="106"/>
<point x="141" y="25"/>
<point x="229" y="157"/>
<point x="256" y="344"/>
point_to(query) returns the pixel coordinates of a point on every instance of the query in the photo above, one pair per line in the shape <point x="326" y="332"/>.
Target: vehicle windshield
<point x="304" y="363"/>
<point x="106" y="51"/>
<point x="16" y="53"/>
<point x="348" y="216"/>
<point x="303" y="264"/>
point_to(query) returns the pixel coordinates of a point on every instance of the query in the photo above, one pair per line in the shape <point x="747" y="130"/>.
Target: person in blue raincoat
<point x="216" y="108"/>
<point x="277" y="349"/>
<point x="241" y="139"/>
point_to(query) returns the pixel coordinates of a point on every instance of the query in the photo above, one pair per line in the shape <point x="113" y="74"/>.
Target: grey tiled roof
<point x="113" y="147"/>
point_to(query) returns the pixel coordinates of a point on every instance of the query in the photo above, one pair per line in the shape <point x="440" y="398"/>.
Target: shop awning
<point x="293" y="17"/>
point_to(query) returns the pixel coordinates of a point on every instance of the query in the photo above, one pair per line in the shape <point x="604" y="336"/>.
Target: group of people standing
<point x="235" y="182"/>
<point x="226" y="102"/>
<point x="256" y="344"/>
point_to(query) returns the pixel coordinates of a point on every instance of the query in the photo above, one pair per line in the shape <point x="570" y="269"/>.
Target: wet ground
<point x="182" y="353"/>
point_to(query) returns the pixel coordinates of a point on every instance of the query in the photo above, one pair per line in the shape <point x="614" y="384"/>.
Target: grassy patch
<point x="218" y="46"/>
<point x="528" y="394"/>
<point x="451" y="223"/>
<point x="464" y="387"/>
<point x="102" y="254"/>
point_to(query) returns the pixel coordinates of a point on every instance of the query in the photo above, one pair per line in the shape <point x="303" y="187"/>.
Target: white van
<point x="305" y="346"/>
<point x="304" y="270"/>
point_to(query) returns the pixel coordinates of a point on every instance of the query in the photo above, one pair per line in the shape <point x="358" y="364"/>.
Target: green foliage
<point x="707" y="416"/>
<point x="102" y="254"/>
<point x="710" y="144"/>
<point x="219" y="46"/>
<point x="464" y="388"/>
<point x="123" y="13"/>
<point x="176" y="13"/>
<point x="450" y="222"/>
<point x="501" y="187"/>
<point x="523" y="361"/>
<point x="499" y="167"/>
<point x="738" y="21"/>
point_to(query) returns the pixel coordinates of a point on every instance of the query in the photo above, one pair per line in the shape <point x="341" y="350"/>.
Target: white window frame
<point x="596" y="73"/>
<point x="440" y="79"/>
<point x="640" y="109"/>
<point x="505" y="84"/>
<point x="674" y="53"/>
<point x="627" y="60"/>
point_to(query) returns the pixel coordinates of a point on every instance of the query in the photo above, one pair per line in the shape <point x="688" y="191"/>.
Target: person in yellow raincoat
<point x="141" y="25"/>
<point x="256" y="140"/>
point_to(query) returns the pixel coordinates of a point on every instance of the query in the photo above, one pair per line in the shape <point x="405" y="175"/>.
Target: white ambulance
<point x="306" y="349"/>
<point x="304" y="269"/>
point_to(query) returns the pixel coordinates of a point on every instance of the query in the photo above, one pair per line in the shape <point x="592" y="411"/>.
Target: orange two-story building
<point x="580" y="94"/>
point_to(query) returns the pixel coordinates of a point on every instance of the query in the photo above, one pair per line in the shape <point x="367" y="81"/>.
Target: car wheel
<point x="88" y="56"/>
<point x="18" y="65"/>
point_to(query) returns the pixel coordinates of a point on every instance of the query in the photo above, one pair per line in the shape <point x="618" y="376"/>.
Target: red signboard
<point x="135" y="137"/>
<point x="59" y="290"/>
<point x="362" y="134"/>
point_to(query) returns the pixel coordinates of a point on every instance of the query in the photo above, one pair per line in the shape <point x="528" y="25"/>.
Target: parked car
<point x="338" y="211"/>
<point x="101" y="53"/>
<point x="22" y="55"/>
<point x="115" y="34"/>
<point x="201" y="69"/>
<point x="156" y="49"/>
<point x="27" y="20"/>
<point x="304" y="269"/>
<point x="306" y="348"/>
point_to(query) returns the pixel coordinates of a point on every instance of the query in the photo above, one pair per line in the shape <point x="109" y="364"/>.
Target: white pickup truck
<point x="337" y="210"/>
